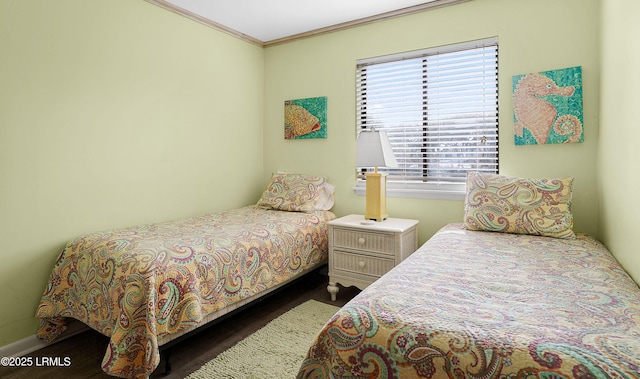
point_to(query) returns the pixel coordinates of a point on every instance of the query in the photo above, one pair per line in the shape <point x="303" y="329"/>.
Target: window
<point x="439" y="108"/>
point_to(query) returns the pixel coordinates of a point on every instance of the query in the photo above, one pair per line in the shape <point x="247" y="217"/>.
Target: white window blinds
<point x="439" y="108"/>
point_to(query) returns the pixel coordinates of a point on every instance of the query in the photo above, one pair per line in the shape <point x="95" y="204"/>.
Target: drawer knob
<point x="361" y="241"/>
<point x="361" y="264"/>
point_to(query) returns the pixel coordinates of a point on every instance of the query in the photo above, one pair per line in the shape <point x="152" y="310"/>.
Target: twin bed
<point x="147" y="285"/>
<point x="510" y="293"/>
<point x="474" y="304"/>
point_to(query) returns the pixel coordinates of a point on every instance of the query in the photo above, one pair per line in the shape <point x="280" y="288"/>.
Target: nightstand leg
<point x="333" y="290"/>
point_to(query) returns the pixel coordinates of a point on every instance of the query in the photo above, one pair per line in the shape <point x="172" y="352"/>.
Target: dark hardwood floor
<point x="85" y="350"/>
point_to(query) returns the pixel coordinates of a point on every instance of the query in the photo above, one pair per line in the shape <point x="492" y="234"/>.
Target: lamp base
<point x="376" y="196"/>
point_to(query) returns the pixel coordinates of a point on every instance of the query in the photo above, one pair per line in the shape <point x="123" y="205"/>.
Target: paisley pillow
<point x="507" y="204"/>
<point x="298" y="193"/>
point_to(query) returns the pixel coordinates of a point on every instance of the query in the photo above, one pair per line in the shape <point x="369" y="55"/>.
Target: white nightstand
<point x="360" y="252"/>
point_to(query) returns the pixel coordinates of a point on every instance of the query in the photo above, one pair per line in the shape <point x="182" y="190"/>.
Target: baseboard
<point x="22" y="347"/>
<point x="33" y="343"/>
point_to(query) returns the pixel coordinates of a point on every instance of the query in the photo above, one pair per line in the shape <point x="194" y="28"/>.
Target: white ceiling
<point x="268" y="20"/>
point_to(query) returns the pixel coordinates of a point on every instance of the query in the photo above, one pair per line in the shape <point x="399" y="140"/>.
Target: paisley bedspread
<point x="471" y="304"/>
<point x="140" y="284"/>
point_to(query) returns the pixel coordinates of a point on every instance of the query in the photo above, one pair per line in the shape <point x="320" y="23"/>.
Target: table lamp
<point x="374" y="150"/>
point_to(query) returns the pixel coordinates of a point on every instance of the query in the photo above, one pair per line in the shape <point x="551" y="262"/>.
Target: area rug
<point x="275" y="351"/>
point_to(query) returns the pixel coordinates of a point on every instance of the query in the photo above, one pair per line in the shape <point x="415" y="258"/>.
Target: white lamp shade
<point x="374" y="150"/>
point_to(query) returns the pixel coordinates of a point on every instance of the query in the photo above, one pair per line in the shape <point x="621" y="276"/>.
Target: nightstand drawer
<point x="371" y="242"/>
<point x="361" y="264"/>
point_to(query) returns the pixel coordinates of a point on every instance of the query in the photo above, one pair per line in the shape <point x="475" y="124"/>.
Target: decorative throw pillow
<point x="507" y="204"/>
<point x="295" y="192"/>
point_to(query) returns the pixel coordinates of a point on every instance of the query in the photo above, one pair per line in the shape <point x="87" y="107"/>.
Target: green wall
<point x="533" y="36"/>
<point x="619" y="156"/>
<point x="114" y="113"/>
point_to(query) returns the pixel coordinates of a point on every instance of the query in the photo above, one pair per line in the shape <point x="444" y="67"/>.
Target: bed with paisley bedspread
<point x="510" y="293"/>
<point x="146" y="285"/>
<point x="475" y="304"/>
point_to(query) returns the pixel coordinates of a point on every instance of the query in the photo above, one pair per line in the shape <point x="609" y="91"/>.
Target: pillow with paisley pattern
<point x="508" y="204"/>
<point x="298" y="193"/>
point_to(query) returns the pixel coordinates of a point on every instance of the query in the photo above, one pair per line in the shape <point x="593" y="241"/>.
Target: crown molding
<point x="329" y="29"/>
<point x="205" y="21"/>
<point x="365" y="21"/>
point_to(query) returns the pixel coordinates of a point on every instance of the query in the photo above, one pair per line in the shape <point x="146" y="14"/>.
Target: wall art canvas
<point x="547" y="107"/>
<point x="305" y="118"/>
